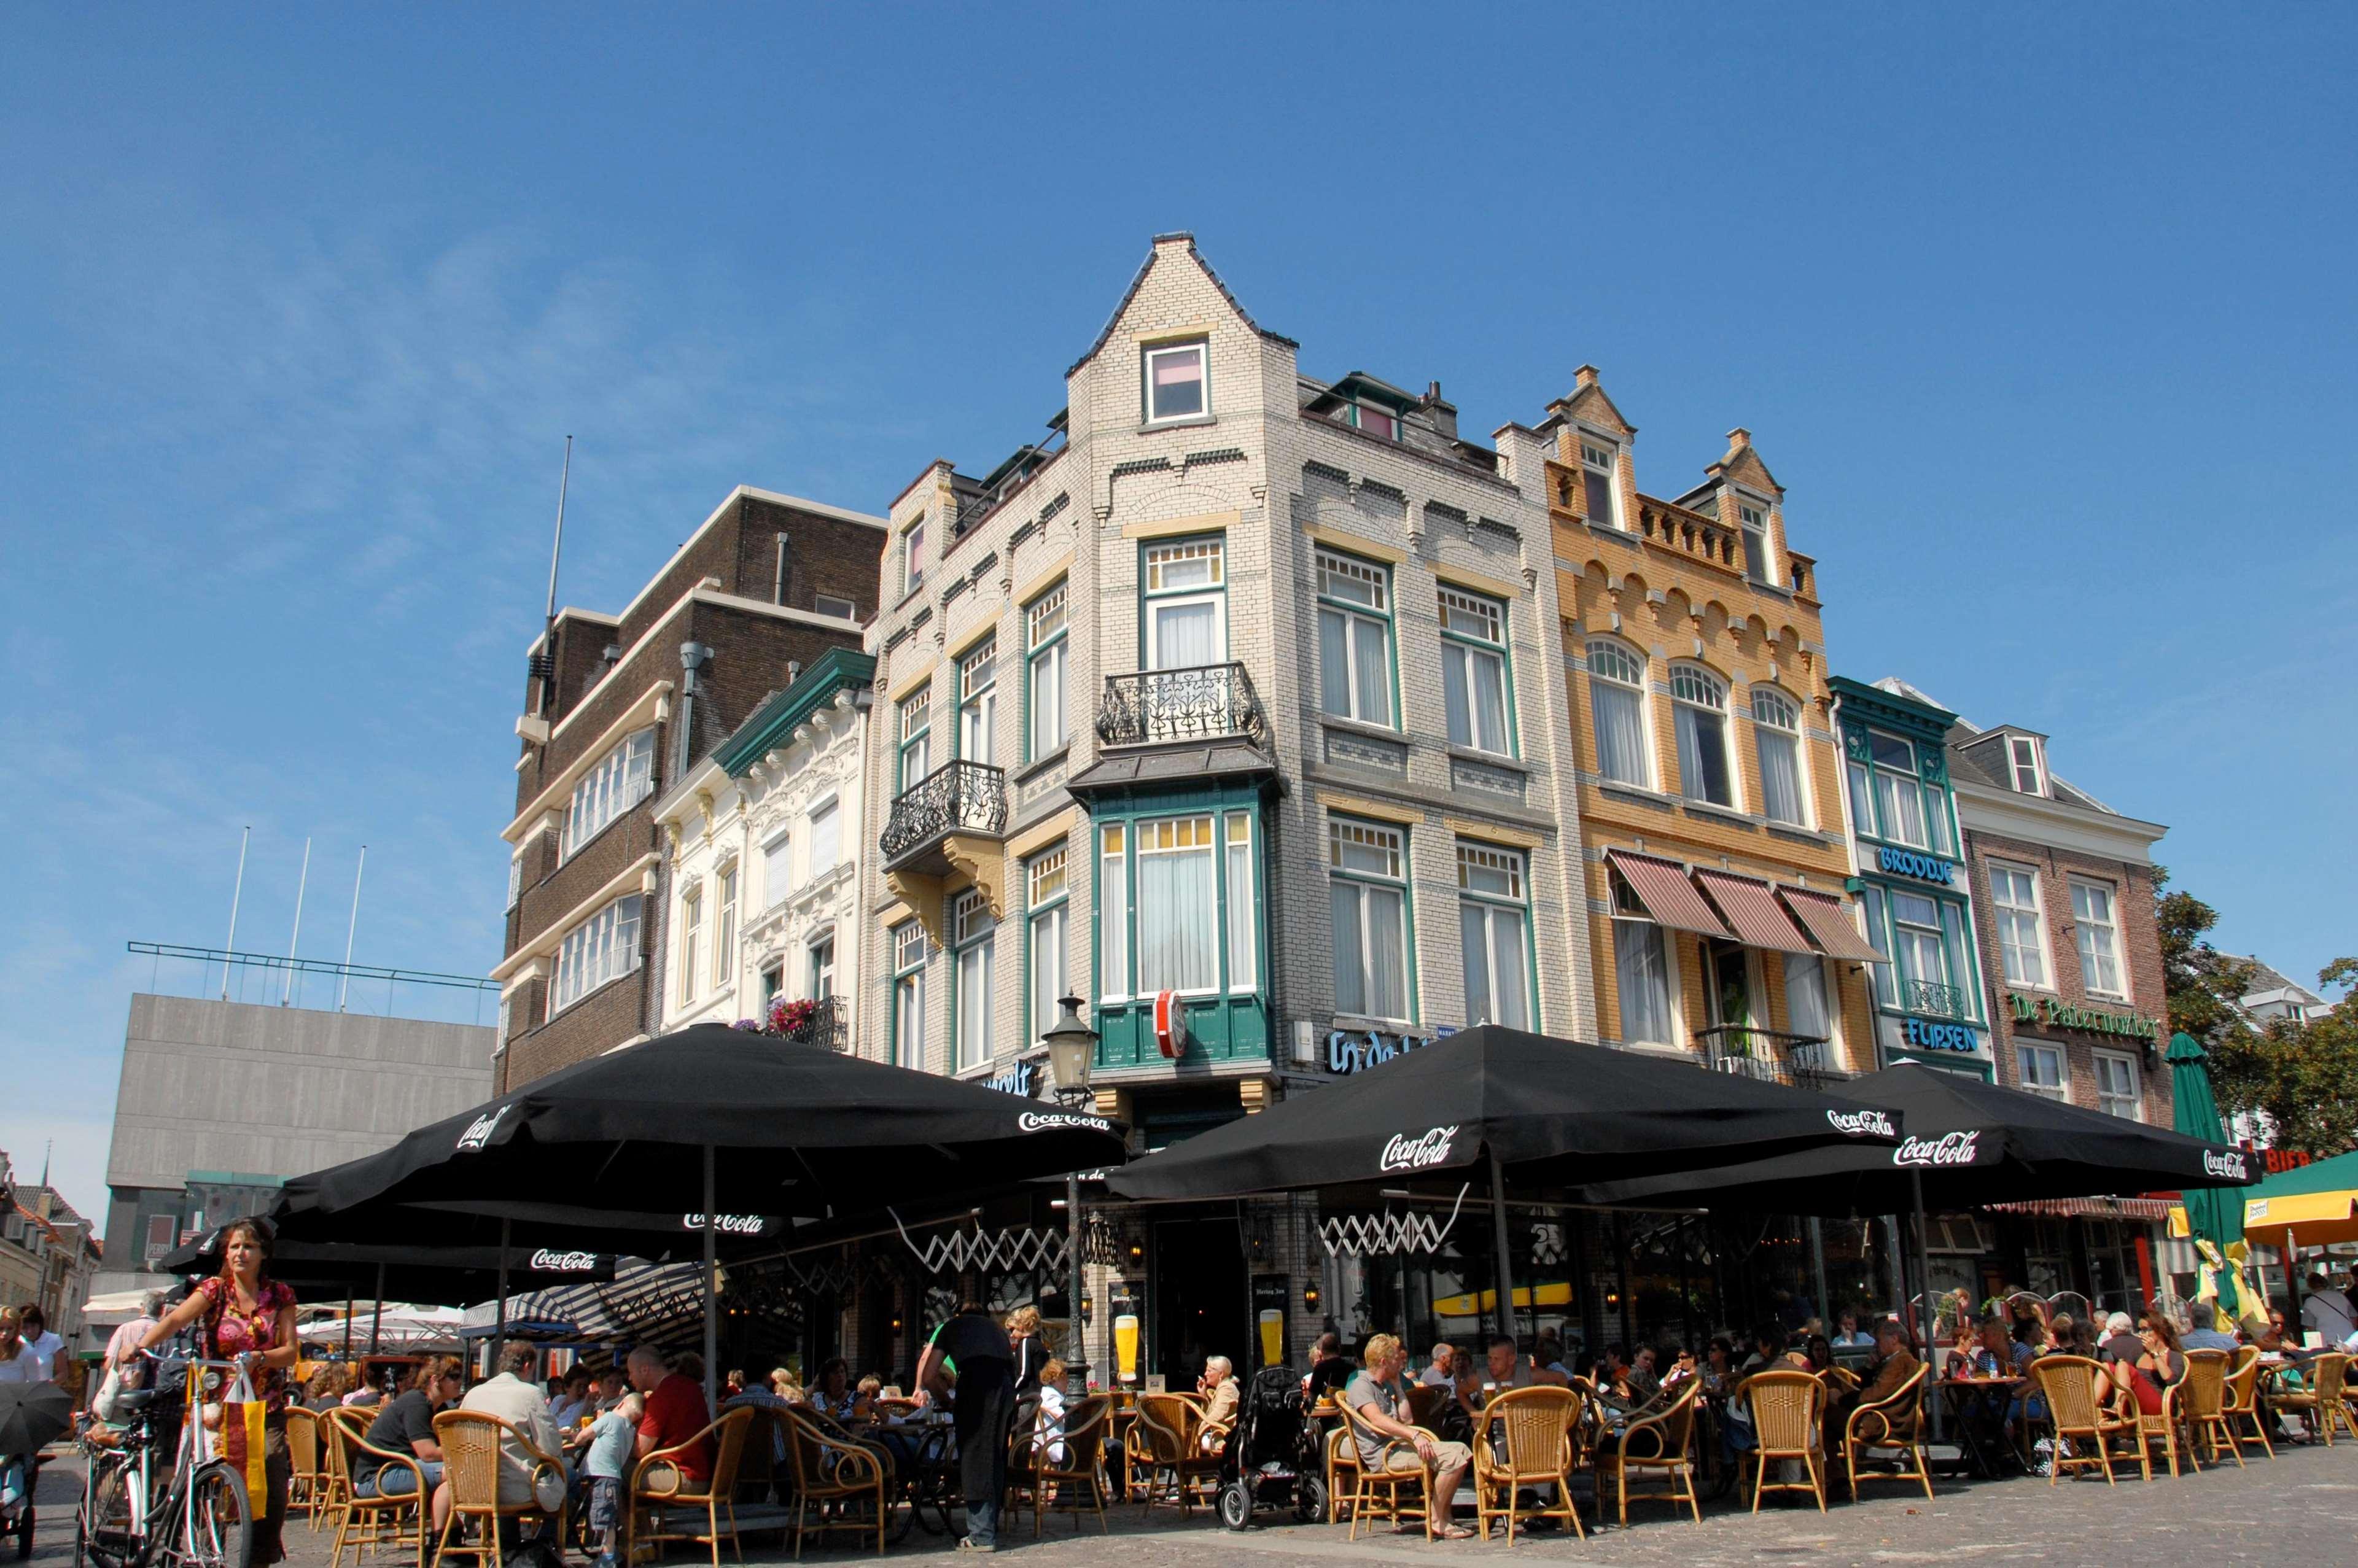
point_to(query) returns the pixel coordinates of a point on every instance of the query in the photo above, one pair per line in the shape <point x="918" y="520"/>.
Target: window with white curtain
<point x="1494" y="927"/>
<point x="691" y="941"/>
<point x="617" y="782"/>
<point x="601" y="948"/>
<point x="972" y="936"/>
<point x="1184" y="606"/>
<point x="1898" y="796"/>
<point x="1473" y="671"/>
<point x="822" y="966"/>
<point x="1048" y="902"/>
<point x="1178" y="925"/>
<point x="2116" y="1085"/>
<point x="724" y="927"/>
<point x="909" y="954"/>
<point x="917" y="726"/>
<point x="1878" y="937"/>
<point x="1699" y="702"/>
<point x="1355" y="637"/>
<point x="2097" y="931"/>
<point x="823" y="836"/>
<point x="2021" y="931"/>
<point x="1244" y="947"/>
<point x="1806" y="1010"/>
<point x="1367" y="867"/>
<point x="1777" y="740"/>
<point x="1923" y="955"/>
<point x="1113" y="912"/>
<point x="1596" y="464"/>
<point x="2041" y="1069"/>
<point x="1641" y="972"/>
<point x="1047" y="651"/>
<point x="978" y="679"/>
<point x="777" y="868"/>
<point x="1617" y="710"/>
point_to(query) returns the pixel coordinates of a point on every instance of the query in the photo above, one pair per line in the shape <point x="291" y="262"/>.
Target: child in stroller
<point x="1273" y="1454"/>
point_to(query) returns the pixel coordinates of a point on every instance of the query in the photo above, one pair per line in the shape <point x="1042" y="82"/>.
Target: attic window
<point x="2023" y="762"/>
<point x="1756" y="542"/>
<point x="1175" y="383"/>
<point x="1597" y="463"/>
<point x="1371" y="418"/>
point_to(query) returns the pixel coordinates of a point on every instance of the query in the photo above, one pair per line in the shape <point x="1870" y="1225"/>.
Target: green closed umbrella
<point x="2215" y="1213"/>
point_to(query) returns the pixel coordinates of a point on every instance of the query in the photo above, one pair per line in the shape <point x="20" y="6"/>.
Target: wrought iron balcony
<point x="958" y="798"/>
<point x="1771" y="1056"/>
<point x="827" y="1023"/>
<point x="1934" y="997"/>
<point x="1204" y="702"/>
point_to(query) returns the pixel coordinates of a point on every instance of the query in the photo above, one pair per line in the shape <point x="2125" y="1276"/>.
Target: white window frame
<point x="973" y="963"/>
<point x="1698" y="689"/>
<point x="823" y="829"/>
<point x="1047" y="933"/>
<point x="777" y="867"/>
<point x="1344" y="833"/>
<point x="912" y="556"/>
<point x="914" y="721"/>
<point x="821" y="970"/>
<point x="910" y="951"/>
<point x="1630" y="919"/>
<point x="2027" y="1051"/>
<point x="2083" y="925"/>
<point x="848" y="609"/>
<point x="2008" y="917"/>
<point x="516" y="879"/>
<point x="615" y="783"/>
<point x="2023" y="752"/>
<point x="978" y="704"/>
<point x="601" y="950"/>
<point x="1364" y="622"/>
<point x="1470" y="649"/>
<point x="1201" y="351"/>
<point x="2129" y="1106"/>
<point x="1603" y="459"/>
<point x="1613" y="666"/>
<point x="1753" y="520"/>
<point x="1153" y="597"/>
<point x="1161" y="836"/>
<point x="1780" y="730"/>
<point x="1495" y="912"/>
<point x="724" y="926"/>
<point x="689" y="949"/>
<point x="1047" y="671"/>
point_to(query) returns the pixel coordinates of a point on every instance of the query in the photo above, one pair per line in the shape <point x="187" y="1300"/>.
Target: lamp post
<point x="1071" y="1051"/>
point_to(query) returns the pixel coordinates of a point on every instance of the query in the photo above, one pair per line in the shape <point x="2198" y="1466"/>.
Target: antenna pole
<point x="235" y="893"/>
<point x="344" y="980"/>
<point x="303" y="880"/>
<point x="548" y="618"/>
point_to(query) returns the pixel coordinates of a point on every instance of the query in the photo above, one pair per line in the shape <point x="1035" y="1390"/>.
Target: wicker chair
<point x="2072" y="1385"/>
<point x="1342" y="1470"/>
<point x="2170" y="1429"/>
<point x="2242" y="1405"/>
<point x="305" y="1477"/>
<point x="1170" y="1430"/>
<point x="1894" y="1424"/>
<point x="471" y="1442"/>
<point x="366" y="1524"/>
<point x="2322" y="1404"/>
<point x="1661" y="1444"/>
<point x="1786" y="1408"/>
<point x="1426" y="1401"/>
<point x="1086" y="1426"/>
<point x="828" y="1468"/>
<point x="2204" y="1395"/>
<point x="1524" y="1439"/>
<point x="1376" y="1490"/>
<point x="660" y="1484"/>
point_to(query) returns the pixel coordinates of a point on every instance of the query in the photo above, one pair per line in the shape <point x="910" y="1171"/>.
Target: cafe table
<point x="1959" y="1392"/>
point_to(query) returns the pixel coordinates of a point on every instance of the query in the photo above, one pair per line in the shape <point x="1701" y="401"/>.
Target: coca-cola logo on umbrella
<point x="1948" y="1149"/>
<point x="2227" y="1163"/>
<point x="1862" y="1123"/>
<point x="550" y="1261"/>
<point x="1041" y="1120"/>
<point x="728" y="1223"/>
<point x="1403" y="1153"/>
<point x="478" y="1131"/>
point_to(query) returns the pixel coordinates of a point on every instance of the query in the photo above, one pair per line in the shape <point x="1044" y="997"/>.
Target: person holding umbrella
<point x="33" y="1412"/>
<point x="982" y="1406"/>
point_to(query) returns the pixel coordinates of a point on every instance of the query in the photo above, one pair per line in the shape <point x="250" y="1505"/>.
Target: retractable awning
<point x="1661" y="888"/>
<point x="1752" y="910"/>
<point x="1822" y="916"/>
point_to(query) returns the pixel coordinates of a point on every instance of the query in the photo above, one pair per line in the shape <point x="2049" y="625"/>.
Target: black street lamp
<point x="1071" y="1051"/>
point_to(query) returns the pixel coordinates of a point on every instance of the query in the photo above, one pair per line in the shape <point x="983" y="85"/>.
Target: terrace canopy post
<point x="1924" y="1278"/>
<point x="500" y="1325"/>
<point x="712" y="1329"/>
<point x="376" y="1318"/>
<point x="1504" y="1264"/>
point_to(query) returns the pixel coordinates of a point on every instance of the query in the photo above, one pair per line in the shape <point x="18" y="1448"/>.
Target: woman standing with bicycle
<point x="243" y="1316"/>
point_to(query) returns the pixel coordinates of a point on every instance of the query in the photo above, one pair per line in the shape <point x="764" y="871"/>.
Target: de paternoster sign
<point x="2055" y="1014"/>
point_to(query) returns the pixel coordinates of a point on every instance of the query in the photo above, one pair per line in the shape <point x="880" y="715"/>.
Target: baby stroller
<point x="1273" y="1454"/>
<point x="31" y="1415"/>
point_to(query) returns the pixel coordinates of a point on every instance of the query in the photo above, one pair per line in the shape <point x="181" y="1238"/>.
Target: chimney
<point x="1737" y="439"/>
<point x="1443" y="412"/>
<point x="1585" y="375"/>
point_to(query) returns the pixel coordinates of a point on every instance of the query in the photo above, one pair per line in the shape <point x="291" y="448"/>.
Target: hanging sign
<point x="2057" y="1014"/>
<point x="1170" y="1025"/>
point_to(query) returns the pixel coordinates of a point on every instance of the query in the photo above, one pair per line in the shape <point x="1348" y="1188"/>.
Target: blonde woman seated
<point x="1379" y="1401"/>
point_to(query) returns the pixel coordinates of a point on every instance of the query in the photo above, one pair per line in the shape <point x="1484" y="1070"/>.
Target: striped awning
<point x="2154" y="1209"/>
<point x="1822" y="916"/>
<point x="1661" y="888"/>
<point x="1753" y="911"/>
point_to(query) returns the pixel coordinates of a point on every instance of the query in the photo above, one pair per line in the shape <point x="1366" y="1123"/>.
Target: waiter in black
<point x="977" y="1351"/>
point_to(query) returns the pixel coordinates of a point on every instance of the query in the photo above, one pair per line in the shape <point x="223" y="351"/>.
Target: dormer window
<point x="1371" y="418"/>
<point x="1175" y="384"/>
<point x="2024" y="764"/>
<point x="1596" y="465"/>
<point x="1756" y="542"/>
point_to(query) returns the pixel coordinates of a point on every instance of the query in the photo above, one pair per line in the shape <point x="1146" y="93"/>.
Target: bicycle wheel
<point x="102" y="1523"/>
<point x="218" y="1529"/>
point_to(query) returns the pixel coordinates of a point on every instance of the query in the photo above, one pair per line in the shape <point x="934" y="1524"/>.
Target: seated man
<point x="1379" y="1400"/>
<point x="2205" y="1334"/>
<point x="1329" y="1367"/>
<point x="676" y="1411"/>
<point x="1894" y="1364"/>
<point x="1442" y="1372"/>
<point x="515" y="1399"/>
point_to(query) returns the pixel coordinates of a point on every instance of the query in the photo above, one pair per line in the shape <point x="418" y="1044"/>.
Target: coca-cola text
<point x="1948" y="1149"/>
<point x="1405" y="1153"/>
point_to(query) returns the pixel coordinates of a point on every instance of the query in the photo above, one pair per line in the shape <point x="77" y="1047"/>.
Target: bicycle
<point x="144" y="1508"/>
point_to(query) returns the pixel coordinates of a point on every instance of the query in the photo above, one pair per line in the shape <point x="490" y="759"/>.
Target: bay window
<point x="617" y="782"/>
<point x="1473" y="671"/>
<point x="1192" y="925"/>
<point x="1177" y="931"/>
<point x="1494" y="927"/>
<point x="601" y="948"/>
<point x="1113" y="912"/>
<point x="1355" y="635"/>
<point x="1366" y="868"/>
<point x="1699" y="702"/>
<point x="1617" y="710"/>
<point x="1777" y="741"/>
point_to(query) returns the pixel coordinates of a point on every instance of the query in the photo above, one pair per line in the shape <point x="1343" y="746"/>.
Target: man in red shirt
<point x="675" y="1412"/>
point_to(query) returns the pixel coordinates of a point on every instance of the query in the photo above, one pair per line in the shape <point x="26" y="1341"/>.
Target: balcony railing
<point x="1205" y="702"/>
<point x="960" y="796"/>
<point x="1771" y="1056"/>
<point x="826" y="1024"/>
<point x="1934" y="997"/>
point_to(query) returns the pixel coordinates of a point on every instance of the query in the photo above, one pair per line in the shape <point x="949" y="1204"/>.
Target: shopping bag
<point x="241" y="1447"/>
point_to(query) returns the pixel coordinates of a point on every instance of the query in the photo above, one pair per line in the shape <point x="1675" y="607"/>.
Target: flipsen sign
<point x="2057" y="1014"/>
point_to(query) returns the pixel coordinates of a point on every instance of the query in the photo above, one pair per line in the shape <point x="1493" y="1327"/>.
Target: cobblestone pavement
<point x="2300" y="1508"/>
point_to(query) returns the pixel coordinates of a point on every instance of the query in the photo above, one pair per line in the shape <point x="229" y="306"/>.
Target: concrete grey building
<point x="220" y="1102"/>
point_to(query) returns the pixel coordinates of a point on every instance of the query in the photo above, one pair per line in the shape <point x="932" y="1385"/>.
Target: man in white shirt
<point x="516" y="1399"/>
<point x="127" y="1340"/>
<point x="2326" y="1311"/>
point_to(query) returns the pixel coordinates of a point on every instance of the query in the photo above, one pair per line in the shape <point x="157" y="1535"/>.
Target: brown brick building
<point x="616" y="705"/>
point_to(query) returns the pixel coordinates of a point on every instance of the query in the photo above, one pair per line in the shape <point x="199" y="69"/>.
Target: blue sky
<point x="2043" y="316"/>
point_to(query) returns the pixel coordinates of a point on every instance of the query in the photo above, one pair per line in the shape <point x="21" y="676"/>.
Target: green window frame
<point x="1877" y="773"/>
<point x="1160" y="561"/>
<point x="1359" y="664"/>
<point x="1493" y="891"/>
<point x="1370" y="418"/>
<point x="1367" y="864"/>
<point x="1047" y="673"/>
<point x="916" y="722"/>
<point x="974" y="964"/>
<point x="1230" y="838"/>
<point x="1048" y="908"/>
<point x="976" y="681"/>
<point x="910" y="949"/>
<point x="1474" y="629"/>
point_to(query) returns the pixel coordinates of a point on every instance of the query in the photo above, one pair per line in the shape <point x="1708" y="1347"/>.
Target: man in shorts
<point x="1379" y="1402"/>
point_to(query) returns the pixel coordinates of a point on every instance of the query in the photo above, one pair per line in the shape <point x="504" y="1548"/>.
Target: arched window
<point x="1777" y="738"/>
<point x="1700" y="700"/>
<point x="1617" y="709"/>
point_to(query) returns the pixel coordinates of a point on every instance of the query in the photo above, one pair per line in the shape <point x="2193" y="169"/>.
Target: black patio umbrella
<point x="1540" y="1111"/>
<point x="711" y="1131"/>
